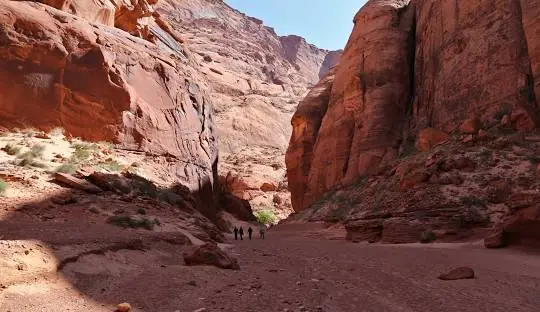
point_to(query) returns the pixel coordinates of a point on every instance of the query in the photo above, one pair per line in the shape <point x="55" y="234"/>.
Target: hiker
<point x="261" y="231"/>
<point x="250" y="231"/>
<point x="235" y="233"/>
<point x="241" y="232"/>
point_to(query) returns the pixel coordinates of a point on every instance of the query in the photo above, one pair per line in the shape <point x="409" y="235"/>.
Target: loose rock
<point x="457" y="274"/>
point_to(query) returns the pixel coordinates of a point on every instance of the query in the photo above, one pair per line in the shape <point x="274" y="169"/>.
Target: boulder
<point x="123" y="307"/>
<point x="457" y="274"/>
<point x="412" y="179"/>
<point x="211" y="254"/>
<point x="429" y="138"/>
<point x="268" y="187"/>
<point x="495" y="238"/>
<point x="76" y="183"/>
<point x="470" y="126"/>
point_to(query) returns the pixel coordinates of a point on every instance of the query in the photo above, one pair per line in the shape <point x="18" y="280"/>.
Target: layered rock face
<point x="257" y="78"/>
<point x="100" y="83"/>
<point x="412" y="74"/>
<point x="132" y="16"/>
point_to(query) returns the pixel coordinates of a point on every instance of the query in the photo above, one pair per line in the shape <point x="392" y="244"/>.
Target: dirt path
<point x="290" y="272"/>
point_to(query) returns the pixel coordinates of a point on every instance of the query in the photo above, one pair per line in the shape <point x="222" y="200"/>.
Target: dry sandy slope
<point x="290" y="271"/>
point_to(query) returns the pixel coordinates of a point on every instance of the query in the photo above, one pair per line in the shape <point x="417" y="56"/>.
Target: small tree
<point x="265" y="216"/>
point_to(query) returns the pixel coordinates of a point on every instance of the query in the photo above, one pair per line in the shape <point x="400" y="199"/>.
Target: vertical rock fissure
<point x="528" y="89"/>
<point x="408" y="118"/>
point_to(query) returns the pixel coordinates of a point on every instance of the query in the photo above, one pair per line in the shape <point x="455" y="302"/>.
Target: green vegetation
<point x="83" y="152"/>
<point x="141" y="211"/>
<point x="340" y="213"/>
<point x="3" y="187"/>
<point x="471" y="200"/>
<point x="408" y="147"/>
<point x="30" y="158"/>
<point x="29" y="133"/>
<point x="109" y="165"/>
<point x="505" y="110"/>
<point x="427" y="236"/>
<point x="535" y="160"/>
<point x="106" y="145"/>
<point x="265" y="216"/>
<point x="68" y="168"/>
<point x="12" y="150"/>
<point x="130" y="222"/>
<point x="485" y="154"/>
<point x="56" y="132"/>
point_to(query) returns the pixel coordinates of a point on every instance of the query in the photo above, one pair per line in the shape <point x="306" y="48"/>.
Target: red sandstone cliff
<point x="412" y="73"/>
<point x="100" y="83"/>
<point x="257" y="79"/>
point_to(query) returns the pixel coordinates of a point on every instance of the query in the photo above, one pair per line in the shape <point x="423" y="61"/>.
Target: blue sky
<point x="325" y="23"/>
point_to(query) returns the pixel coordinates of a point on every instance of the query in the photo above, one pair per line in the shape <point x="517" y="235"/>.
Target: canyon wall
<point x="421" y="83"/>
<point x="102" y="84"/>
<point x="257" y="79"/>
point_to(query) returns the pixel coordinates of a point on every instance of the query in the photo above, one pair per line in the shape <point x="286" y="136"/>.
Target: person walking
<point x="241" y="232"/>
<point x="235" y="233"/>
<point x="261" y="231"/>
<point x="250" y="232"/>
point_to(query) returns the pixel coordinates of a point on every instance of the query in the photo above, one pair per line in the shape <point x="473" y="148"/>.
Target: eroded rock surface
<point x="428" y="100"/>
<point x="101" y="84"/>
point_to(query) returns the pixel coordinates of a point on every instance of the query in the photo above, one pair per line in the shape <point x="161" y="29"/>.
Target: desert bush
<point x="68" y="168"/>
<point x="471" y="200"/>
<point x="534" y="159"/>
<point x="3" y="187"/>
<point x="106" y="145"/>
<point x="110" y="165"/>
<point x="29" y="133"/>
<point x="141" y="211"/>
<point x="30" y="158"/>
<point x="265" y="216"/>
<point x="56" y="132"/>
<point x="83" y="152"/>
<point x="129" y="222"/>
<point x="12" y="150"/>
<point x="427" y="236"/>
<point x="37" y="150"/>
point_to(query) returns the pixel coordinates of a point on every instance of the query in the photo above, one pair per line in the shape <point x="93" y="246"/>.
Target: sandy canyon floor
<point x="294" y="269"/>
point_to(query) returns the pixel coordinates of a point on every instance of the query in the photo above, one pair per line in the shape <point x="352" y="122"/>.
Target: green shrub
<point x="471" y="200"/>
<point x="56" y="132"/>
<point x="141" y="211"/>
<point x="29" y="159"/>
<point x="68" y="168"/>
<point x="265" y="216"/>
<point x="83" y="152"/>
<point x="129" y="222"/>
<point x="110" y="165"/>
<point x="534" y="159"/>
<point x="106" y="145"/>
<point x="12" y="150"/>
<point x="37" y="150"/>
<point x="3" y="186"/>
<point x="29" y="133"/>
<point x="504" y="110"/>
<point x="427" y="236"/>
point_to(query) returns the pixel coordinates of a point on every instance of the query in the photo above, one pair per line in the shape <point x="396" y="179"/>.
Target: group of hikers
<point x="239" y="232"/>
